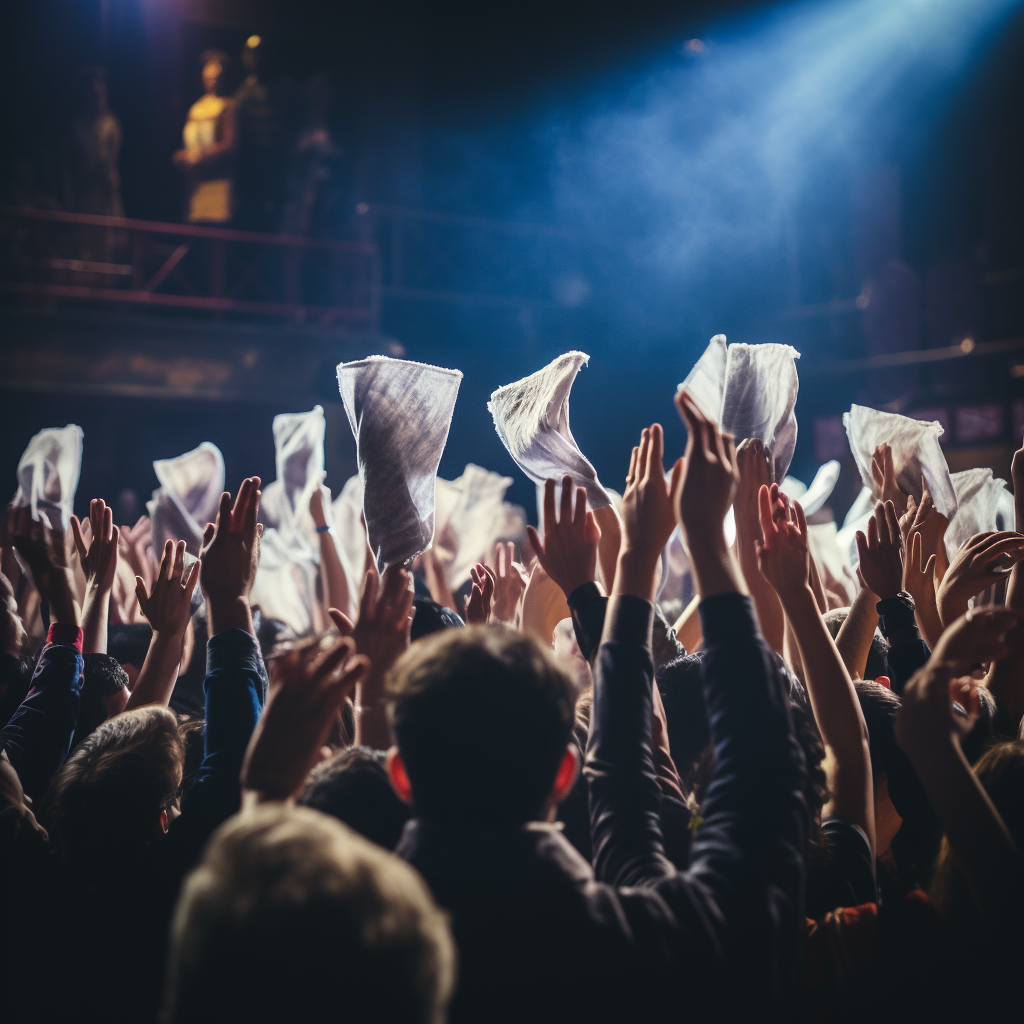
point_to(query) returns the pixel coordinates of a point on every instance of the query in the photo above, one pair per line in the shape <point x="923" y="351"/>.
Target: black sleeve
<point x="588" y="606"/>
<point x="845" y="874"/>
<point x="907" y="649"/>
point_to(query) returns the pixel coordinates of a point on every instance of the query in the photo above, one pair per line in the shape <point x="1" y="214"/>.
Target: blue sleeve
<point x="234" y="700"/>
<point x="38" y="736"/>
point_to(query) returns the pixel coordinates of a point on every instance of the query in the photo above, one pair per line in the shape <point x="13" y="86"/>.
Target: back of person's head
<point x="1001" y="771"/>
<point x="430" y="617"/>
<point x="353" y="786"/>
<point x="113" y="795"/>
<point x="292" y="916"/>
<point x="128" y="643"/>
<point x="875" y="665"/>
<point x="482" y="717"/>
<point x="682" y="693"/>
<point x="104" y="694"/>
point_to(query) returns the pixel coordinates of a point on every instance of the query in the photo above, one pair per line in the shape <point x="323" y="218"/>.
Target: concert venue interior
<point x="213" y="212"/>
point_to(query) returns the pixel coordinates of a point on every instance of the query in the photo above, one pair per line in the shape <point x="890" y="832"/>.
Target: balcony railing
<point x="50" y="257"/>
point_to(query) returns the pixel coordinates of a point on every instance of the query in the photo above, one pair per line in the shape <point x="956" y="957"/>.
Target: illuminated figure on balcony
<point x="210" y="138"/>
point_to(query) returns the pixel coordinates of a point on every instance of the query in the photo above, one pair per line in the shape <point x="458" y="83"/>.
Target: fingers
<point x="696" y="425"/>
<point x="178" y="565"/>
<point x="140" y="593"/>
<point x="368" y="602"/>
<point x="656" y="453"/>
<point x="801" y="519"/>
<point x="108" y="522"/>
<point x="916" y="552"/>
<point x="643" y="455"/>
<point x="764" y="512"/>
<point x="863" y="553"/>
<point x="208" y="534"/>
<point x="580" y="516"/>
<point x="893" y="523"/>
<point x="76" y="532"/>
<point x="166" y="561"/>
<point x="873" y="537"/>
<point x="342" y="621"/>
<point x="676" y="482"/>
<point x="252" y="508"/>
<point x="549" y="504"/>
<point x="930" y="568"/>
<point x="631" y="472"/>
<point x="536" y="543"/>
<point x="888" y="468"/>
<point x="223" y="519"/>
<point x="565" y="511"/>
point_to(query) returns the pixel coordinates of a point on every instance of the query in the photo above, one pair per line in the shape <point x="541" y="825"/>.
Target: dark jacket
<point x="541" y="938"/>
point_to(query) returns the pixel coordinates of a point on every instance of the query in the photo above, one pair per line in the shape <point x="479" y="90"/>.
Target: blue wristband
<point x="323" y="529"/>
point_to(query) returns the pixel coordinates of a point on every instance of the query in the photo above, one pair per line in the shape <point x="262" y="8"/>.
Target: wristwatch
<point x="902" y="602"/>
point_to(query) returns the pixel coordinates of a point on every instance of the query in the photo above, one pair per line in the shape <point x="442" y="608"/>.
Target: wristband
<point x="323" y="529"/>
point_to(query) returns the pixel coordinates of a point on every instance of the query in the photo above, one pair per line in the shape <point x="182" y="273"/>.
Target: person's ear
<point x="165" y="822"/>
<point x="397" y="775"/>
<point x="568" y="772"/>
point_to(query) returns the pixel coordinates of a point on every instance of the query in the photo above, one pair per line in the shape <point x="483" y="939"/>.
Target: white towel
<point x="833" y="561"/>
<point x="751" y="391"/>
<point x="813" y="498"/>
<point x="916" y="453"/>
<point x="400" y="413"/>
<point x="187" y="498"/>
<point x="285" y="585"/>
<point x="48" y="474"/>
<point x="983" y="503"/>
<point x="471" y="516"/>
<point x="349" y="534"/>
<point x="299" y="457"/>
<point x="531" y="417"/>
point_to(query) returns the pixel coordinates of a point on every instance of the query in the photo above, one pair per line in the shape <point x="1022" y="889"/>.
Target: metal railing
<point x="51" y="256"/>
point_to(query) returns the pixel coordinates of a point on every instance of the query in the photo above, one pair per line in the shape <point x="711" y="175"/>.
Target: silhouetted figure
<point x="262" y="142"/>
<point x="210" y="138"/>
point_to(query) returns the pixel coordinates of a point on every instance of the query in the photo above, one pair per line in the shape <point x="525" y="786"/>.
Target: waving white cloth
<point x="916" y="453"/>
<point x="983" y="503"/>
<point x="299" y="457"/>
<point x="750" y="390"/>
<point x="471" y="516"/>
<point x="813" y="498"/>
<point x="285" y="585"/>
<point x="188" y="496"/>
<point x="48" y="474"/>
<point x="531" y="417"/>
<point x="400" y="413"/>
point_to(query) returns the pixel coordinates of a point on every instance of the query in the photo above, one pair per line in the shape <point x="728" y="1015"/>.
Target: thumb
<point x="342" y="621"/>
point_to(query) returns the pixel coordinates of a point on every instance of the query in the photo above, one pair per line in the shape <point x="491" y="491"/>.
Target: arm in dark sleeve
<point x="234" y="688"/>
<point x="588" y="605"/>
<point x="38" y="736"/>
<point x="907" y="648"/>
<point x="625" y="798"/>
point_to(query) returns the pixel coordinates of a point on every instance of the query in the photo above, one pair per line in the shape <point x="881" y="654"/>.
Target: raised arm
<point x="38" y="736"/>
<point x="930" y="735"/>
<point x="97" y="552"/>
<point x="332" y="573"/>
<point x="783" y="558"/>
<point x="167" y="608"/>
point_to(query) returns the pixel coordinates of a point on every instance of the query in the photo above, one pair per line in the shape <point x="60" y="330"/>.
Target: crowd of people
<point x="402" y="757"/>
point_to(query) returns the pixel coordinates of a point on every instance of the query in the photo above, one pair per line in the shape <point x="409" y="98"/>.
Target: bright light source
<point x="967" y="345"/>
<point x="695" y="45"/>
<point x="253" y="41"/>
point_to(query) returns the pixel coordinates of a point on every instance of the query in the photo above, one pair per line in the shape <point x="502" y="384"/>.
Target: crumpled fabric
<point x="832" y="560"/>
<point x="188" y="497"/>
<point x="983" y="504"/>
<point x="48" y="473"/>
<point x="531" y="417"/>
<point x="299" y="458"/>
<point x="286" y="580"/>
<point x="916" y="453"/>
<point x="400" y="413"/>
<point x="350" y="535"/>
<point x="813" y="498"/>
<point x="862" y="509"/>
<point x="471" y="516"/>
<point x="750" y="391"/>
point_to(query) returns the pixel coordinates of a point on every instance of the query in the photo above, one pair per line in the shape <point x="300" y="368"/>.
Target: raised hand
<point x="926" y="520"/>
<point x="782" y="553"/>
<point x="381" y="633"/>
<point x="12" y="630"/>
<point x="98" y="551"/>
<point x="976" y="638"/>
<point x="307" y="687"/>
<point x="984" y="560"/>
<point x="648" y="506"/>
<point x="883" y="476"/>
<point x="881" y="553"/>
<point x="510" y="578"/>
<point x="709" y="479"/>
<point x="168" y="605"/>
<point x="568" y="553"/>
<point x="230" y="555"/>
<point x="478" y="604"/>
<point x="43" y="551"/>
<point x="919" y="583"/>
<point x="703" y="496"/>
<point x="755" y="472"/>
